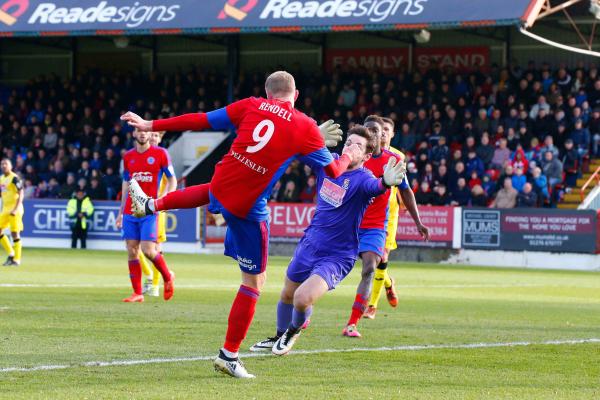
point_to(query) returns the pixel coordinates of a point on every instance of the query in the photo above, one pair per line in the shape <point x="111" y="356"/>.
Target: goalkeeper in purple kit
<point x="329" y="248"/>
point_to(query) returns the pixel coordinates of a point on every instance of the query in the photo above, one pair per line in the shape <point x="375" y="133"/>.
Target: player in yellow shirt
<point x="151" y="286"/>
<point x="382" y="277"/>
<point x="12" y="212"/>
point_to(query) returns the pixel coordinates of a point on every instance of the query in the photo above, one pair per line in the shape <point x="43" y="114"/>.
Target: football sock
<point x="5" y="243"/>
<point x="135" y="274"/>
<point x="240" y="317"/>
<point x="17" y="245"/>
<point x="190" y="197"/>
<point x="284" y="316"/>
<point x="161" y="265"/>
<point x="299" y="318"/>
<point x="378" y="281"/>
<point x="144" y="264"/>
<point x="155" y="277"/>
<point x="358" y="309"/>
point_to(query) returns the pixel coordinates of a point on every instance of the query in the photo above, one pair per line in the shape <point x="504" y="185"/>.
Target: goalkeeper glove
<point x="394" y="172"/>
<point x="331" y="132"/>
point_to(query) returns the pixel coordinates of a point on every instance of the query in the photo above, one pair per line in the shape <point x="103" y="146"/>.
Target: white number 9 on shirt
<point x="261" y="140"/>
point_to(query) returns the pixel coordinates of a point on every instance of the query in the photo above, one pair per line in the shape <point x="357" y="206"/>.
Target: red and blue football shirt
<point x="377" y="214"/>
<point x="147" y="169"/>
<point x="270" y="134"/>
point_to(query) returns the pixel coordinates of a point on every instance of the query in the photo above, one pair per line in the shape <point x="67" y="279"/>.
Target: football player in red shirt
<point x="372" y="233"/>
<point x="145" y="165"/>
<point x="271" y="133"/>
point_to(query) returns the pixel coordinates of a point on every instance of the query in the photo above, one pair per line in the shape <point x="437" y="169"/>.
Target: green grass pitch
<point x="64" y="308"/>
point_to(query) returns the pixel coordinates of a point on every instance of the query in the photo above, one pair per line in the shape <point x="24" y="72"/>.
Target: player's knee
<point x="368" y="272"/>
<point x="287" y="296"/>
<point x="302" y="300"/>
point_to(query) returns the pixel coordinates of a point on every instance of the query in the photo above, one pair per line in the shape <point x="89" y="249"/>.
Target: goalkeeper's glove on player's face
<point x="394" y="172"/>
<point x="331" y="132"/>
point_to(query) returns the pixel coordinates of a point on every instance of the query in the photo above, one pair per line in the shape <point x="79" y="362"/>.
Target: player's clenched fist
<point x="137" y="122"/>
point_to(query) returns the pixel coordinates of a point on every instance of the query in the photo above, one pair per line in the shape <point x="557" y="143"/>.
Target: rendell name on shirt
<point x="277" y="110"/>
<point x="249" y="163"/>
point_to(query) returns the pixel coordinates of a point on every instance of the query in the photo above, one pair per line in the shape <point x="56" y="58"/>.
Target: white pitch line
<point x="120" y="363"/>
<point x="209" y="286"/>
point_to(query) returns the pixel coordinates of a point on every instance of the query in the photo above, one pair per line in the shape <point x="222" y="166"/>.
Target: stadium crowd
<point x="504" y="138"/>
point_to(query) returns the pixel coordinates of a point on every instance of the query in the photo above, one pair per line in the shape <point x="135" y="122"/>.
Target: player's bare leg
<point x="240" y="319"/>
<point x="370" y="261"/>
<point x="150" y="251"/>
<point x="304" y="297"/>
<point x="135" y="272"/>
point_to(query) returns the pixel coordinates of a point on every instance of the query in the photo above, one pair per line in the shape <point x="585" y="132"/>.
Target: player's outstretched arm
<point x="185" y="122"/>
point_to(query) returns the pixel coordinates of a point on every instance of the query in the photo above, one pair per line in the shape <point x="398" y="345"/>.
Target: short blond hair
<point x="280" y="83"/>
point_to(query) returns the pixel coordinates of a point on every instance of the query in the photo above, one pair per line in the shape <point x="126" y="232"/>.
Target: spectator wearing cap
<point x="552" y="168"/>
<point x="507" y="196"/>
<point x="581" y="138"/>
<point x="79" y="210"/>
<point x="527" y="197"/>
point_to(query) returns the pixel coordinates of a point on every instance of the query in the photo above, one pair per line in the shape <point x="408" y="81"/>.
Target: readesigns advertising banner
<point x="65" y="17"/>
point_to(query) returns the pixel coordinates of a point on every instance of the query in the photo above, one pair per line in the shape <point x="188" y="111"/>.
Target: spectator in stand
<point x="537" y="107"/>
<point x="111" y="182"/>
<point x="519" y="160"/>
<point x="289" y="193"/>
<point x="309" y="193"/>
<point x="424" y="195"/>
<point x="474" y="164"/>
<point x="461" y="195"/>
<point x="527" y="197"/>
<point x="485" y="151"/>
<point x="478" y="197"/>
<point x="441" y="197"/>
<point x="570" y="161"/>
<point x="540" y="184"/>
<point x="518" y="179"/>
<point x="96" y="191"/>
<point x="581" y="138"/>
<point x="501" y="155"/>
<point x="552" y="168"/>
<point x="68" y="189"/>
<point x="549" y="146"/>
<point x="506" y="197"/>
<point x="440" y="151"/>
